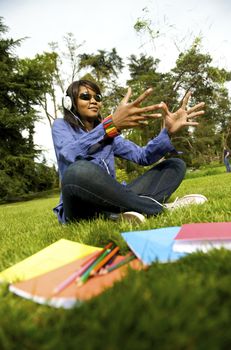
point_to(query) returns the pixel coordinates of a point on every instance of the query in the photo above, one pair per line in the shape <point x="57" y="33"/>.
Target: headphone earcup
<point x="67" y="102"/>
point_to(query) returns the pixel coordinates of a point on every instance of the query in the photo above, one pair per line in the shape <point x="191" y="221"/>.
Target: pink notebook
<point x="203" y="237"/>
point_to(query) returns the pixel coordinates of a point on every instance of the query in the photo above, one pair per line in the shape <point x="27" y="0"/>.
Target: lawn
<point x="181" y="305"/>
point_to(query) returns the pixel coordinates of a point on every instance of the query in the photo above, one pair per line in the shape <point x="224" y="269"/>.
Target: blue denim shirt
<point x="71" y="144"/>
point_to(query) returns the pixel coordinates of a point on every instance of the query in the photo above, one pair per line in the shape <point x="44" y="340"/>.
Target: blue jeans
<point x="89" y="191"/>
<point x="227" y="165"/>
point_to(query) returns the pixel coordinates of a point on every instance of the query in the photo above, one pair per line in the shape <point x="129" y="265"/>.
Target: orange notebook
<point x="40" y="289"/>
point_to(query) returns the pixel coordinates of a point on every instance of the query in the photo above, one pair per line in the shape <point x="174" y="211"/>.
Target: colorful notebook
<point x="40" y="289"/>
<point x="153" y="245"/>
<point x="47" y="259"/>
<point x="203" y="237"/>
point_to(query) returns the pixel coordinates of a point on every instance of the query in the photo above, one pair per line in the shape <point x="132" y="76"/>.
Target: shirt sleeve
<point x="70" y="144"/>
<point x="147" y="155"/>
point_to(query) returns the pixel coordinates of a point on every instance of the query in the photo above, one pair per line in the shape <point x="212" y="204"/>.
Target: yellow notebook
<point x="55" y="255"/>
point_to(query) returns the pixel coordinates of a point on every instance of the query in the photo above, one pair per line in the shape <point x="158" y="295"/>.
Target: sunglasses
<point x="87" y="97"/>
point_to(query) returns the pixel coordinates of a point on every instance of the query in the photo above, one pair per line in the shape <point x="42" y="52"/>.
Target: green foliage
<point x="27" y="83"/>
<point x="121" y="175"/>
<point x="193" y="71"/>
<point x="23" y="84"/>
<point x="181" y="305"/>
<point x="21" y="175"/>
<point x="36" y="74"/>
<point x="207" y="170"/>
<point x="144" y="25"/>
<point x="104" y="65"/>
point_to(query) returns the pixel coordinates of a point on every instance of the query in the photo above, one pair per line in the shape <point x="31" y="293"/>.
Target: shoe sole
<point x="132" y="216"/>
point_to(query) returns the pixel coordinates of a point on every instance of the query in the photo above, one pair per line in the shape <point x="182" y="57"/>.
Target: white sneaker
<point x="133" y="217"/>
<point x="186" y="200"/>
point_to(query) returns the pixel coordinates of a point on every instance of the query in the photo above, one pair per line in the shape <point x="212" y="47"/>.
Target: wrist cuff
<point x="109" y="127"/>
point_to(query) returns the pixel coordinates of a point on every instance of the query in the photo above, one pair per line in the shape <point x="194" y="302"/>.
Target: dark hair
<point x="72" y="92"/>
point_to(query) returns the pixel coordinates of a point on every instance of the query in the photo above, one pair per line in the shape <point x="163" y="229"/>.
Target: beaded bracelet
<point x="109" y="127"/>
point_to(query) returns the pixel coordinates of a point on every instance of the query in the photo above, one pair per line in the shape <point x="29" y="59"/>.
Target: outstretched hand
<point x="130" y="114"/>
<point x="183" y="116"/>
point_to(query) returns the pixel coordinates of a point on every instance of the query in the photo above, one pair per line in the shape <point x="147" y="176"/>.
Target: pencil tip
<point x="79" y="283"/>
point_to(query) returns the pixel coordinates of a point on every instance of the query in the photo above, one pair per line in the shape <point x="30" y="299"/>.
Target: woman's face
<point x="88" y="103"/>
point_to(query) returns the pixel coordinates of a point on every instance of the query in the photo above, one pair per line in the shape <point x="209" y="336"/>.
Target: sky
<point x="105" y="24"/>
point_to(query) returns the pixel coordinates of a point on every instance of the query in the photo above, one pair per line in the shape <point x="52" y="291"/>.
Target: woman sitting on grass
<point x="86" y="144"/>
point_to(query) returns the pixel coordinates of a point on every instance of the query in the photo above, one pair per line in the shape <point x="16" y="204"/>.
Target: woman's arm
<point x="70" y="144"/>
<point x="154" y="150"/>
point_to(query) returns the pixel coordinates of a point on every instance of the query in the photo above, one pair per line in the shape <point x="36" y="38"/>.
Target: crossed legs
<point x="88" y="190"/>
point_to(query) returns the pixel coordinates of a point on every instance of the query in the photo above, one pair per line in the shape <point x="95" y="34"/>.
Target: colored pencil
<point x="89" y="258"/>
<point x="126" y="260"/>
<point x="104" y="261"/>
<point x="84" y="277"/>
<point x="83" y="268"/>
<point x="74" y="275"/>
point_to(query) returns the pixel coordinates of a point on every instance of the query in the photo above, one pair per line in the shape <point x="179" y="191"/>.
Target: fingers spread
<point x="149" y="108"/>
<point x="195" y="114"/>
<point x="142" y="97"/>
<point x="153" y="116"/>
<point x="143" y="122"/>
<point x="191" y="123"/>
<point x="143" y="119"/>
<point x="196" y="107"/>
<point x="186" y="99"/>
<point x="127" y="96"/>
<point x="164" y="107"/>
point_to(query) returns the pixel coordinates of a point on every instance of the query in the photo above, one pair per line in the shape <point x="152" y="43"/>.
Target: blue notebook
<point x="153" y="245"/>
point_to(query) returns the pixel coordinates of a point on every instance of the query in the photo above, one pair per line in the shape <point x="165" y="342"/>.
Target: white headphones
<point x="67" y="102"/>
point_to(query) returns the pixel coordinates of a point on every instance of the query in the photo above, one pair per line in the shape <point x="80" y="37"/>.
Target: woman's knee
<point x="79" y="172"/>
<point x="177" y="163"/>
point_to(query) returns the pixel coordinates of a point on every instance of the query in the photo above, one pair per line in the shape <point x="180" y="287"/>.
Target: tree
<point x="194" y="72"/>
<point x="105" y="66"/>
<point x="144" y="74"/>
<point x="22" y="84"/>
<point x="65" y="72"/>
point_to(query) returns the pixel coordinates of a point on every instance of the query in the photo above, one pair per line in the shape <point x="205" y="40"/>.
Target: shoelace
<point x="162" y="205"/>
<point x="171" y="205"/>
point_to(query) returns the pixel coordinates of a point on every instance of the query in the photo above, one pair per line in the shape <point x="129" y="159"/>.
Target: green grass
<point x="211" y="169"/>
<point x="181" y="305"/>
